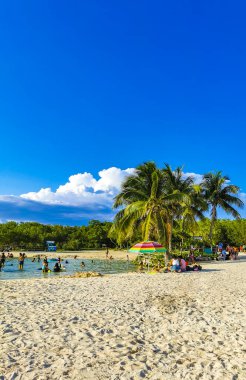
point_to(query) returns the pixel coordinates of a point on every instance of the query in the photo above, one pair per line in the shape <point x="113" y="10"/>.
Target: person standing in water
<point x="107" y="253"/>
<point x="2" y="260"/>
<point x="59" y="262"/>
<point x="21" y="261"/>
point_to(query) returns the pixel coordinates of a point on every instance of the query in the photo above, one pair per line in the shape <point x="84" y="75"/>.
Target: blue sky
<point x="91" y="85"/>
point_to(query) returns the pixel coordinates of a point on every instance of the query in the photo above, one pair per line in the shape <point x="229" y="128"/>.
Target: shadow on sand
<point x="211" y="270"/>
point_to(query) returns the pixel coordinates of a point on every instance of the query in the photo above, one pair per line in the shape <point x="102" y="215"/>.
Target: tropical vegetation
<point x="156" y="202"/>
<point x="30" y="235"/>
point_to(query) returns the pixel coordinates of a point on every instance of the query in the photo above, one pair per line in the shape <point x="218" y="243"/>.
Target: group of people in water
<point x="4" y="257"/>
<point x="58" y="267"/>
<point x="45" y="263"/>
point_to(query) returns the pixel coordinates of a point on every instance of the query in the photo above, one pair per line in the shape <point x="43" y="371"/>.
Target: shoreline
<point x="93" y="254"/>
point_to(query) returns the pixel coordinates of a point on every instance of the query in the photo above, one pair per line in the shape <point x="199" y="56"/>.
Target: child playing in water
<point x="45" y="267"/>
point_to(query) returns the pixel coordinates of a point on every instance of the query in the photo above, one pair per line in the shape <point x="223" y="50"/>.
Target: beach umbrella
<point x="147" y="248"/>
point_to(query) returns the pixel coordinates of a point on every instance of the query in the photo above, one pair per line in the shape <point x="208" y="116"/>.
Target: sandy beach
<point x="90" y="254"/>
<point x="130" y="326"/>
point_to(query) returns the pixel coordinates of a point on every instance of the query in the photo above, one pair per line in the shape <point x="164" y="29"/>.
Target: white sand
<point x="133" y="326"/>
<point x="93" y="254"/>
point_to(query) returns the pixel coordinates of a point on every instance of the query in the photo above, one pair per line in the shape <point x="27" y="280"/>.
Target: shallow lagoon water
<point x="33" y="269"/>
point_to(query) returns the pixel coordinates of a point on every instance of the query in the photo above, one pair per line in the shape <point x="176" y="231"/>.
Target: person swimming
<point x="45" y="266"/>
<point x="82" y="264"/>
<point x="57" y="268"/>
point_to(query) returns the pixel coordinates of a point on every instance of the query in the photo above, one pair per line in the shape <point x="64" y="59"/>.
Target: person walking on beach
<point x="21" y="261"/>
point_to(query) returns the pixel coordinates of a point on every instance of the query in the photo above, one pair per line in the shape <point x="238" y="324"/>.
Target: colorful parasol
<point x="147" y="247"/>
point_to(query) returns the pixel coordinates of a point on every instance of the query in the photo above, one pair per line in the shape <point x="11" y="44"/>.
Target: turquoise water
<point x="32" y="270"/>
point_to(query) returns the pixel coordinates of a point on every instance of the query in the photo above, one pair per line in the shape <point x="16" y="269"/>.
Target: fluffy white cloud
<point x="196" y="177"/>
<point x="84" y="189"/>
<point x="81" y="199"/>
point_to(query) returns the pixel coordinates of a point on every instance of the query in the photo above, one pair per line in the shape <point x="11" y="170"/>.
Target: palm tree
<point x="219" y="194"/>
<point x="192" y="209"/>
<point x="144" y="204"/>
<point x="188" y="208"/>
<point x="153" y="199"/>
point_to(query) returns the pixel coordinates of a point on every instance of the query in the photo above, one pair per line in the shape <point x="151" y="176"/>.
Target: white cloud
<point x="82" y="198"/>
<point x="196" y="177"/>
<point x="84" y="189"/>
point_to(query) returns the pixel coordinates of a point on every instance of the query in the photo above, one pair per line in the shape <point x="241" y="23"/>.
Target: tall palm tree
<point x="191" y="210"/>
<point x="191" y="205"/>
<point x="152" y="199"/>
<point x="219" y="194"/>
<point x="144" y="204"/>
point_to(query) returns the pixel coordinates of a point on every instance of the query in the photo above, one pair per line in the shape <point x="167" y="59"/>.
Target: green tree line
<point x="32" y="236"/>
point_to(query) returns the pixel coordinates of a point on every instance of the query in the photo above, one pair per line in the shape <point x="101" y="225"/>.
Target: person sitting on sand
<point x="75" y="257"/>
<point x="111" y="258"/>
<point x="21" y="260"/>
<point x="175" y="266"/>
<point x="223" y="254"/>
<point x="182" y="264"/>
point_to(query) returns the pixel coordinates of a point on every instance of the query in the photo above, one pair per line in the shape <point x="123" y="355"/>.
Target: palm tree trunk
<point x="213" y="218"/>
<point x="169" y="235"/>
